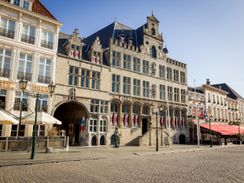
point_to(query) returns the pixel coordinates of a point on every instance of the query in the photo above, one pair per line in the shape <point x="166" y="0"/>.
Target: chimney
<point x="208" y="82"/>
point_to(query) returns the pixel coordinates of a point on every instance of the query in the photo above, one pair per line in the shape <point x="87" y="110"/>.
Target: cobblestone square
<point x="218" y="165"/>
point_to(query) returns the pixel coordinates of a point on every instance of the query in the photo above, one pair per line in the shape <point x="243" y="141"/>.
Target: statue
<point x="116" y="137"/>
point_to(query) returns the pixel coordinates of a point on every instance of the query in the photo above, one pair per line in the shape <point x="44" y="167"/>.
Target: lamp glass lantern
<point x="51" y="88"/>
<point x="23" y="84"/>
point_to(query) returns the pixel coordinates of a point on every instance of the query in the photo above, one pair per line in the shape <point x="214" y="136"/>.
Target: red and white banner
<point x="115" y="119"/>
<point x="135" y="120"/>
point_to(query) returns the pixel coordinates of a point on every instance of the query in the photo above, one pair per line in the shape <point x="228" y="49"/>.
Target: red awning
<point x="223" y="129"/>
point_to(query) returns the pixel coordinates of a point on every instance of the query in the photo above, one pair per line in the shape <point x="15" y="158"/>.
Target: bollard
<point x="67" y="144"/>
<point x="6" y="144"/>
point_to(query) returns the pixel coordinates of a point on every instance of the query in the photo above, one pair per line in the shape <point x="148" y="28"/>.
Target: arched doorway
<point x="94" y="141"/>
<point x="182" y="139"/>
<point x="74" y="121"/>
<point x="144" y="125"/>
<point x="102" y="140"/>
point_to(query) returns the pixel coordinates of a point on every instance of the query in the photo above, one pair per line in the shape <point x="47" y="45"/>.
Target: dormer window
<point x="96" y="57"/>
<point x="122" y="38"/>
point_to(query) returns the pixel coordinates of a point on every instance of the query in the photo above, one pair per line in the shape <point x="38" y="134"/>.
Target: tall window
<point x="183" y="77"/>
<point x="162" y="92"/>
<point x="1" y="128"/>
<point x="137" y="65"/>
<point x="103" y="107"/>
<point x="116" y="59"/>
<point x="209" y="97"/>
<point x="73" y="75"/>
<point x="24" y="101"/>
<point x="136" y="87"/>
<point x="25" y="65"/>
<point x="162" y="71"/>
<point x="7" y="27"/>
<point x="145" y="67"/>
<point x="26" y="4"/>
<point x="2" y="98"/>
<point x="85" y="78"/>
<point x="169" y="73"/>
<point x="103" y="125"/>
<point x="47" y="39"/>
<point x="93" y="125"/>
<point x="5" y="57"/>
<point x="146" y="89"/>
<point x="96" y="80"/>
<point x="43" y="103"/>
<point x="94" y="106"/>
<point x="126" y="62"/>
<point x="16" y="2"/>
<point x="176" y="94"/>
<point x="44" y="71"/>
<point x="28" y="34"/>
<point x="126" y="85"/>
<point x="170" y="93"/>
<point x="153" y="52"/>
<point x="115" y="83"/>
<point x="183" y="96"/>
<point x="176" y="75"/>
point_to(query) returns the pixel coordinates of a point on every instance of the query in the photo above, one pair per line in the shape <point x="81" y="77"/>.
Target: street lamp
<point x="51" y="89"/>
<point x="156" y="111"/>
<point x="211" y="141"/>
<point x="22" y="86"/>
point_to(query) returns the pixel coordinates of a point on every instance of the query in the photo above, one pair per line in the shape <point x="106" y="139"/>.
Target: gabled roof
<point x="152" y="17"/>
<point x="39" y="8"/>
<point x="114" y="30"/>
<point x="232" y="93"/>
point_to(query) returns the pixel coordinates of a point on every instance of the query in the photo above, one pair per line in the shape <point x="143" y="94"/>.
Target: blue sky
<point x="207" y="35"/>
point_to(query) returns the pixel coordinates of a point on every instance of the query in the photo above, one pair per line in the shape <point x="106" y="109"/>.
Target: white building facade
<point x="28" y="47"/>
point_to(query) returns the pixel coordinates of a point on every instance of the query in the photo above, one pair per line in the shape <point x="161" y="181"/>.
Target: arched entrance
<point x="74" y="120"/>
<point x="94" y="140"/>
<point x="144" y="125"/>
<point x="182" y="139"/>
<point x="102" y="140"/>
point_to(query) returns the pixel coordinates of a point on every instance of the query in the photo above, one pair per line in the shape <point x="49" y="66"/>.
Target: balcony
<point x="4" y="73"/>
<point x="44" y="79"/>
<point x="24" y="75"/>
<point x="7" y="33"/>
<point x="47" y="44"/>
<point x="28" y="39"/>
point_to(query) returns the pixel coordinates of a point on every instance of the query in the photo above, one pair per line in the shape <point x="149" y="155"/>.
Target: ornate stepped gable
<point x="39" y="8"/>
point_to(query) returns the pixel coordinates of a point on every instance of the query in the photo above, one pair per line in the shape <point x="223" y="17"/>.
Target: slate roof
<point x="114" y="30"/>
<point x="232" y="93"/>
<point x="198" y="89"/>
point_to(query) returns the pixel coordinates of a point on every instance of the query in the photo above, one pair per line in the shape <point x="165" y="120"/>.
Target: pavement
<point x="81" y="153"/>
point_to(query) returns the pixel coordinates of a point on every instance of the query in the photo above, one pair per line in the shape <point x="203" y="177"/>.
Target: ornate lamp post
<point x="51" y="89"/>
<point x="22" y="86"/>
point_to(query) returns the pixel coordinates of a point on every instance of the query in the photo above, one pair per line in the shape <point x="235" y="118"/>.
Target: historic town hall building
<point x="117" y="77"/>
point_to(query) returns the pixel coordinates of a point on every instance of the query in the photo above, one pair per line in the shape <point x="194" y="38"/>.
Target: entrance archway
<point x="74" y="120"/>
<point x="182" y="139"/>
<point x="144" y="125"/>
<point x="102" y="140"/>
<point x="94" y="141"/>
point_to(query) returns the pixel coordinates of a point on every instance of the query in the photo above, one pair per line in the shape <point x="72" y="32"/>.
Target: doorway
<point x="182" y="139"/>
<point x="144" y="125"/>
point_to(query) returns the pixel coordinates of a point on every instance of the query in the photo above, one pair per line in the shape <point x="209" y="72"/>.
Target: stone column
<point x="131" y="116"/>
<point x="120" y="114"/>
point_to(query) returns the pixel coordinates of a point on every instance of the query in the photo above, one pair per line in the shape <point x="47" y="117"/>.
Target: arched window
<point x="153" y="52"/>
<point x="153" y="31"/>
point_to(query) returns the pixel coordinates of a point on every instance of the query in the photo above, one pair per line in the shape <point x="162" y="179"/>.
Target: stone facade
<point x="28" y="50"/>
<point x="118" y="75"/>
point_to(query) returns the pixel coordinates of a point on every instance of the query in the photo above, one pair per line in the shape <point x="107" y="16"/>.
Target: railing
<point x="28" y="39"/>
<point x="47" y="44"/>
<point x="25" y="143"/>
<point x="24" y="75"/>
<point x="44" y="79"/>
<point x="7" y="33"/>
<point x="4" y="73"/>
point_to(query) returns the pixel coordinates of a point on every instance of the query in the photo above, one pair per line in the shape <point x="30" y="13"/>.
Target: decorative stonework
<point x="6" y="84"/>
<point x="39" y="89"/>
<point x="39" y="8"/>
